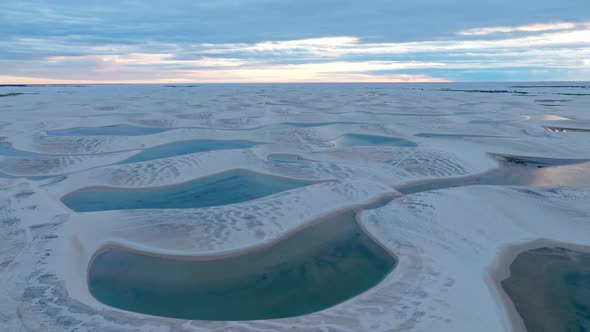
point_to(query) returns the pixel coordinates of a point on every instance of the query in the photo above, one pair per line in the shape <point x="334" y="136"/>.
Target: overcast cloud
<point x="293" y="41"/>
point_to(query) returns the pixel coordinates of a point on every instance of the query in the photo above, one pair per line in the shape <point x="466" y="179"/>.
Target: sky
<point x="178" y="41"/>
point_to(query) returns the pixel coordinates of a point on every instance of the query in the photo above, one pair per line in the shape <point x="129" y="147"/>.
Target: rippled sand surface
<point x="467" y="171"/>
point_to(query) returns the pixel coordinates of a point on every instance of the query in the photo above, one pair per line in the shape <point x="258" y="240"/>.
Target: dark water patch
<point x="551" y="86"/>
<point x="313" y="269"/>
<point x="187" y="147"/>
<point x="13" y="85"/>
<point x="516" y="171"/>
<point x="405" y="114"/>
<point x="552" y="100"/>
<point x="352" y="140"/>
<point x="538" y="162"/>
<point x="106" y="108"/>
<point x="573" y="94"/>
<point x="550" y="288"/>
<point x="286" y="158"/>
<point x="314" y="124"/>
<point x="12" y="94"/>
<point x="7" y="150"/>
<point x="432" y="135"/>
<point x="220" y="189"/>
<point x="425" y="114"/>
<point x="489" y="122"/>
<point x="96" y="115"/>
<point x="567" y="129"/>
<point x="487" y="91"/>
<point x="116" y="130"/>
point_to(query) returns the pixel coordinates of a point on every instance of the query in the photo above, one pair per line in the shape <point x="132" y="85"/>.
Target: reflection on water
<point x="349" y="140"/>
<point x="116" y="130"/>
<point x="517" y="171"/>
<point x="545" y="117"/>
<point x="316" y="268"/>
<point x="187" y="147"/>
<point x="550" y="288"/>
<point x="219" y="189"/>
<point x="567" y="130"/>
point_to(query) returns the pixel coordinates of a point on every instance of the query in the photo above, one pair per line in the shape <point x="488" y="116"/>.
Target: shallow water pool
<point x="314" y="124"/>
<point x="350" y="140"/>
<point x="220" y="189"/>
<point x="517" y="171"/>
<point x="187" y="147"/>
<point x="550" y="288"/>
<point x="314" y="269"/>
<point x="116" y="130"/>
<point x="286" y="158"/>
<point x="8" y="151"/>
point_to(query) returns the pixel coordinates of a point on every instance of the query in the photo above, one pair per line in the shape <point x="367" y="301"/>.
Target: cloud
<point x="147" y="59"/>
<point x="353" y="45"/>
<point x="536" y="27"/>
<point x="151" y="67"/>
<point x="249" y="21"/>
<point x="251" y="75"/>
<point x="7" y="79"/>
<point x="334" y="58"/>
<point x="316" y="44"/>
<point x="319" y="40"/>
<point x="276" y="74"/>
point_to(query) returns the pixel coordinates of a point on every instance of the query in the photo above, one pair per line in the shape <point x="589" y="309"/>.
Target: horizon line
<point x="285" y="82"/>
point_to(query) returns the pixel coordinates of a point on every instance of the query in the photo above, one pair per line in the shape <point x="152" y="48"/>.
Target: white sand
<point x="451" y="243"/>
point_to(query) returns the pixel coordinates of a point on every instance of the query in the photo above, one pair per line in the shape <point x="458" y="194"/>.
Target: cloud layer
<point x="288" y="41"/>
